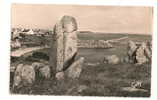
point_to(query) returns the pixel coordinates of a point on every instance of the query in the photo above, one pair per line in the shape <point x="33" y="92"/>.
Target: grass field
<point x="98" y="79"/>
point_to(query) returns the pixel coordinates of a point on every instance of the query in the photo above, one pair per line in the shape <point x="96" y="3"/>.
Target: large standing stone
<point x="70" y="40"/>
<point x="56" y="51"/>
<point x="70" y="49"/>
<point x="64" y="44"/>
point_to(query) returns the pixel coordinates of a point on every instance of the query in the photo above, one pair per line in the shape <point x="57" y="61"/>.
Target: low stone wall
<point x="94" y="44"/>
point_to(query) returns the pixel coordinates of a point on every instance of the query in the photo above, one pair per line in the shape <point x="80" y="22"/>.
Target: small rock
<point x="126" y="59"/>
<point x="45" y="71"/>
<point x="113" y="59"/>
<point x="60" y="76"/>
<point x="82" y="88"/>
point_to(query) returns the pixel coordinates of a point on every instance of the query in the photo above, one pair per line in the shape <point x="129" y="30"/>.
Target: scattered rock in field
<point x="71" y="91"/>
<point x="138" y="54"/>
<point x="131" y="52"/>
<point x="81" y="88"/>
<point x="112" y="59"/>
<point x="141" y="57"/>
<point x="45" y="71"/>
<point x="126" y="59"/>
<point x="75" y="69"/>
<point x="17" y="75"/>
<point x="148" y="50"/>
<point x="28" y="74"/>
<point x="24" y="75"/>
<point x="37" y="65"/>
<point x="60" y="76"/>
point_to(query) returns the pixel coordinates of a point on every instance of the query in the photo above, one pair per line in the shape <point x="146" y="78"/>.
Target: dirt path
<point x="22" y="51"/>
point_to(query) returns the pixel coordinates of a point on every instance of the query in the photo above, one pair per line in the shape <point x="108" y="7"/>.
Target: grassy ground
<point x="98" y="80"/>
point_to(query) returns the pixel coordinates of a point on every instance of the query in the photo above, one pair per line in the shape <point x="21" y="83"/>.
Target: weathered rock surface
<point x="70" y="49"/>
<point x="57" y="48"/>
<point x="43" y="70"/>
<point x="64" y="44"/>
<point x="75" y="69"/>
<point x="81" y="88"/>
<point x="37" y="65"/>
<point x="59" y="75"/>
<point x="140" y="54"/>
<point x="24" y="75"/>
<point x="148" y="50"/>
<point x="17" y="75"/>
<point x="131" y="51"/>
<point x="112" y="59"/>
<point x="69" y="24"/>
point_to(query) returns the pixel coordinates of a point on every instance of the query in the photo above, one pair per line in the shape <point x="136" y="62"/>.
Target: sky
<point x="106" y="19"/>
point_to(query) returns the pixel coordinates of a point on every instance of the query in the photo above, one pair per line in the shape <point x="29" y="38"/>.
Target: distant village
<point x="20" y="37"/>
<point x="19" y="34"/>
<point x="16" y="32"/>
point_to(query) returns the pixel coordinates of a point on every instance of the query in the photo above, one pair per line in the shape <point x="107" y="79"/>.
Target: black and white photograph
<point x="80" y="50"/>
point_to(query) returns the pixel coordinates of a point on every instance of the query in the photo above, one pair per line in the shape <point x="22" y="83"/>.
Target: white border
<point x="5" y="7"/>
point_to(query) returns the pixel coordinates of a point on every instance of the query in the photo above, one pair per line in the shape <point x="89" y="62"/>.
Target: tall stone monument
<point x="64" y="44"/>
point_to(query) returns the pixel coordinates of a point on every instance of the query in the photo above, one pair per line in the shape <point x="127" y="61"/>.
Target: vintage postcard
<point x="81" y="50"/>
